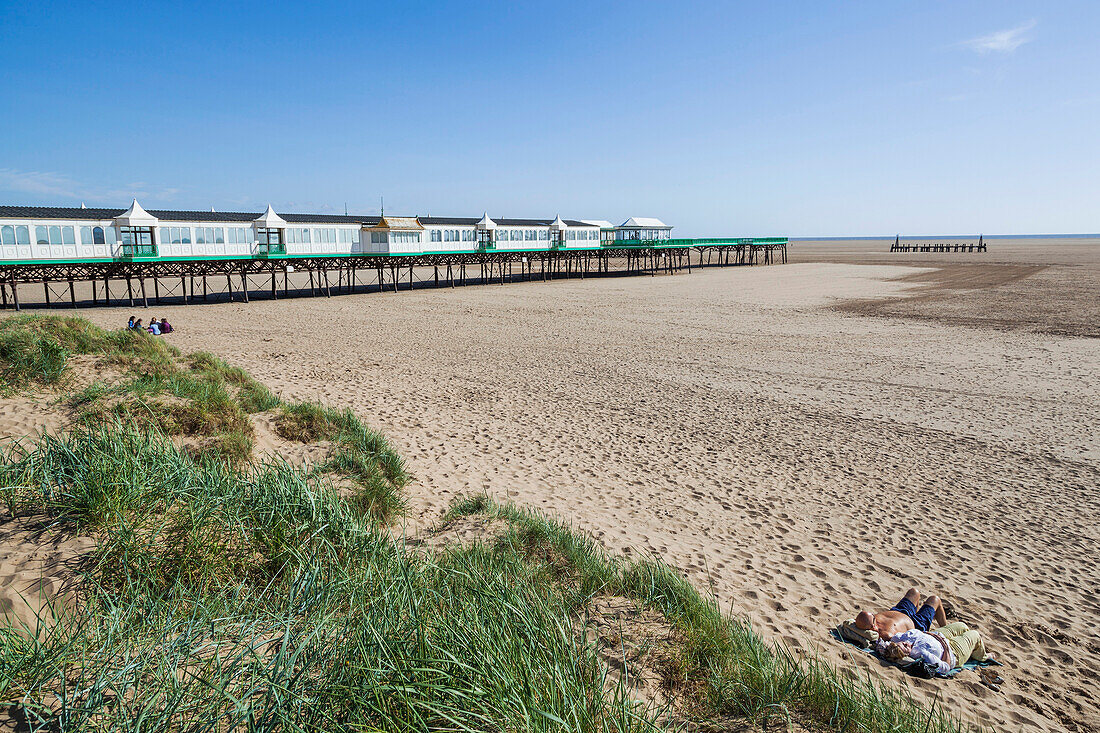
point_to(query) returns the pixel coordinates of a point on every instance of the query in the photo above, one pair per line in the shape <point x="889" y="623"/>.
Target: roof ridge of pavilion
<point x="269" y="219"/>
<point x="398" y="222"/>
<point x="136" y="216"/>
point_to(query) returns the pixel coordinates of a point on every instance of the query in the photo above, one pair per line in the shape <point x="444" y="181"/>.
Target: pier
<point x="135" y="280"/>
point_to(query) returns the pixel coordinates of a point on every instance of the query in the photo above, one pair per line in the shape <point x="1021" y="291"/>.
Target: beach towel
<point x="844" y="633"/>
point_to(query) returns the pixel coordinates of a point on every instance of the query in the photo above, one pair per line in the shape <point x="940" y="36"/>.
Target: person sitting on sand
<point x="130" y="324"/>
<point x="165" y="326"/>
<point x="154" y="327"/>
<point x="904" y="616"/>
<point x="138" y="326"/>
<point x="945" y="648"/>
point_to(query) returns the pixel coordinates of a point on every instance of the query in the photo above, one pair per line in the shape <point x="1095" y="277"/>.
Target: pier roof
<point x="247" y="217"/>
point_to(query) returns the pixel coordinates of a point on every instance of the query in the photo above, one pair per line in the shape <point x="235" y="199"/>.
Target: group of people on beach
<point x="906" y="630"/>
<point x="156" y="328"/>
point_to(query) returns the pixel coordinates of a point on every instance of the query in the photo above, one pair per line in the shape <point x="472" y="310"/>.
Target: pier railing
<point x="703" y="242"/>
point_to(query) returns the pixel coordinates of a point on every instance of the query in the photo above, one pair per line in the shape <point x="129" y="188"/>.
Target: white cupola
<point x="135" y="216"/>
<point x="270" y="220"/>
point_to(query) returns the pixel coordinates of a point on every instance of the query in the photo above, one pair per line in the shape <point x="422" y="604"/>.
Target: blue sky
<point x="722" y="118"/>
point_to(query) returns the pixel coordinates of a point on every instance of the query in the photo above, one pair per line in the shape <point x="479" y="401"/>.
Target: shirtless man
<point x="904" y="616"/>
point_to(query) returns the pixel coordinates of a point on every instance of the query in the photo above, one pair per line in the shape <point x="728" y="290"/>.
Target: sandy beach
<point x="805" y="440"/>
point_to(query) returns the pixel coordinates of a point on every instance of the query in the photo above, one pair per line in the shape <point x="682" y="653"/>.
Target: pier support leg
<point x="274" y="294"/>
<point x="72" y="293"/>
<point x="156" y="290"/>
<point x="229" y="285"/>
<point x="144" y="298"/>
<point x="130" y="290"/>
<point x="15" y="293"/>
<point x="4" y="293"/>
<point x="244" y="285"/>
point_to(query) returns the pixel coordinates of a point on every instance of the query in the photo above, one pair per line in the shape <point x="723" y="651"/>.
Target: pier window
<point x="94" y="235"/>
<point x="407" y="237"/>
<point x="324" y="236"/>
<point x="544" y="234"/>
<point x="349" y="236"/>
<point x="55" y="234"/>
<point x="270" y="241"/>
<point x="209" y="235"/>
<point x="241" y="235"/>
<point x="137" y="242"/>
<point x="377" y="237"/>
<point x="530" y="235"/>
<point x="437" y="235"/>
<point x="570" y="235"/>
<point x="469" y="235"/>
<point x="297" y="236"/>
<point x="13" y="234"/>
<point x="177" y="235"/>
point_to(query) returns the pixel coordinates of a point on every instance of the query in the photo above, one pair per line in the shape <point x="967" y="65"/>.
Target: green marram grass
<point x="734" y="672"/>
<point x="222" y="599"/>
<point x="225" y="594"/>
<point x="198" y="397"/>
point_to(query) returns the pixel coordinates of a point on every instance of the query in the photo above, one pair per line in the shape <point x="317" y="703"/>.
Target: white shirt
<point x="929" y="648"/>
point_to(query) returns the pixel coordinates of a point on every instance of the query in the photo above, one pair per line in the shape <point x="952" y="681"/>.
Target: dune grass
<point x="220" y="599"/>
<point x="198" y="398"/>
<point x="223" y="594"/>
<point x="731" y="671"/>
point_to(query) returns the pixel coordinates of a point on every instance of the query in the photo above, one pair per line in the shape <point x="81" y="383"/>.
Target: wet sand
<point x="806" y="439"/>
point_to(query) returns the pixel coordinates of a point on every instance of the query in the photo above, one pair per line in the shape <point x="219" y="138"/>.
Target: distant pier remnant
<point x="929" y="246"/>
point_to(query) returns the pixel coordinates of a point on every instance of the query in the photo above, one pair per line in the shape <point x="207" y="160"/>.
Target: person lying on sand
<point x="904" y="616"/>
<point x="945" y="648"/>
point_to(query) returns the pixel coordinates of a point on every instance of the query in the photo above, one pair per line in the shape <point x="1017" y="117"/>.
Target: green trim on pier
<point x="606" y="245"/>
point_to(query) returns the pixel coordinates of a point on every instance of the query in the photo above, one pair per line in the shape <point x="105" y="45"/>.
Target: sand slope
<point x="801" y="461"/>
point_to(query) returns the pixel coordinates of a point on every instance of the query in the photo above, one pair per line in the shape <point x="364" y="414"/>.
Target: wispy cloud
<point x="1005" y="41"/>
<point x="63" y="186"/>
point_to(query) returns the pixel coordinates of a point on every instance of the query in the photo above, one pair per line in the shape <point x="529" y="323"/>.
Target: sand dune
<point x="800" y="460"/>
